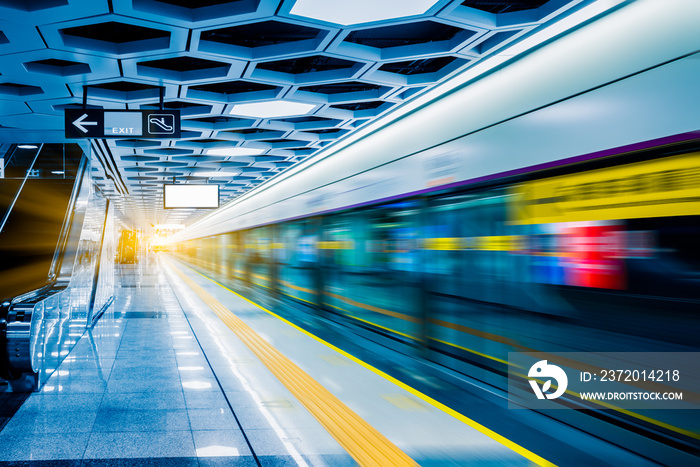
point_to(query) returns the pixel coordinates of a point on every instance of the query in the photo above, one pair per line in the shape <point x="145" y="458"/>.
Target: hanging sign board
<point x="91" y="123"/>
<point x="190" y="196"/>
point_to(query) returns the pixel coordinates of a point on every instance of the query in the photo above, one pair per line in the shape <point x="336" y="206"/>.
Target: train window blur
<point x="372" y="254"/>
<point x="298" y="276"/>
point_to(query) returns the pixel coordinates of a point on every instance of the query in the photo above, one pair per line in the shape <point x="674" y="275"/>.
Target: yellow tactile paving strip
<point x="364" y="443"/>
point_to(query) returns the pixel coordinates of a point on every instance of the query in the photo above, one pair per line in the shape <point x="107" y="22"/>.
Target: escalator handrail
<point x="62" y="243"/>
<point x="53" y="277"/>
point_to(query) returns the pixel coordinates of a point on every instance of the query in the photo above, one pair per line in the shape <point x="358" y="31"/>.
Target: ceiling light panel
<point x="348" y="13"/>
<point x="235" y="151"/>
<point x="272" y="109"/>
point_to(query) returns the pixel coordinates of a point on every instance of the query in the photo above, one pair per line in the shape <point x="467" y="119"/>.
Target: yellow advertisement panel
<point x="657" y="188"/>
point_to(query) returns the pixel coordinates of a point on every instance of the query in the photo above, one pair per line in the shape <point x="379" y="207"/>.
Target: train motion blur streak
<point x="594" y="257"/>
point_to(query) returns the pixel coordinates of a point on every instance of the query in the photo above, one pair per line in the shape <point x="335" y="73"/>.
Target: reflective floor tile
<point x="33" y="446"/>
<point x="44" y="463"/>
<point x="143" y="401"/>
<point x="144" y="372"/>
<point x="60" y="402"/>
<point x="63" y="421"/>
<point x="74" y="387"/>
<point x="212" y="419"/>
<point x="231" y="383"/>
<point x="145" y="354"/>
<point x="199" y="385"/>
<point x="141" y="420"/>
<point x="242" y="461"/>
<point x="190" y="357"/>
<point x="143" y="385"/>
<point x="223" y="443"/>
<point x="269" y="442"/>
<point x="142" y="462"/>
<point x="155" y="362"/>
<point x="205" y="400"/>
<point x="253" y="417"/>
<point x="139" y="444"/>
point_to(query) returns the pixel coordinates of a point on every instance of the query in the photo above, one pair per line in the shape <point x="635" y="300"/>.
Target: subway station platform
<point x="349" y="232"/>
<point x="183" y="371"/>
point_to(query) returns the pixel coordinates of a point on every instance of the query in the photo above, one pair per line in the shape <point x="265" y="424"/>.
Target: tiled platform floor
<point x="137" y="390"/>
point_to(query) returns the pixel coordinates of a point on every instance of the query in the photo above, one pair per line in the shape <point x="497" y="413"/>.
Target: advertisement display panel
<point x="190" y="196"/>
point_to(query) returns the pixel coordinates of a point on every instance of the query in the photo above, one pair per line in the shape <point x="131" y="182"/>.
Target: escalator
<point x="56" y="259"/>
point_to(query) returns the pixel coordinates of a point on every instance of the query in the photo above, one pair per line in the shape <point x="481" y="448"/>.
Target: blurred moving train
<point x="478" y="272"/>
<point x="595" y="257"/>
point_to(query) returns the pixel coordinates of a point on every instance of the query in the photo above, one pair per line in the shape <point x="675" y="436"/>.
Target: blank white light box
<point x="190" y="196"/>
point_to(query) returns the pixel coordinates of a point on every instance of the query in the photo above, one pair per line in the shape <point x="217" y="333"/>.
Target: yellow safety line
<point x="362" y="441"/>
<point x="466" y="420"/>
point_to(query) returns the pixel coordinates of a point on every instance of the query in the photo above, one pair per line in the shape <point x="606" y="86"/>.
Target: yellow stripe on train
<point x="336" y="245"/>
<point x="657" y="188"/>
<point x="485" y="243"/>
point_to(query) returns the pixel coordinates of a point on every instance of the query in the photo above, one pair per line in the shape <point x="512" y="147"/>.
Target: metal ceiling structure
<point x="334" y="66"/>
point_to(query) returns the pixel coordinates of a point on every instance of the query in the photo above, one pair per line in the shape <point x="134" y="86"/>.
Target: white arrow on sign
<point x="79" y="123"/>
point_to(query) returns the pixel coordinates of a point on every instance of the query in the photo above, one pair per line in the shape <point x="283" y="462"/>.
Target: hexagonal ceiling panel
<point x="261" y="84"/>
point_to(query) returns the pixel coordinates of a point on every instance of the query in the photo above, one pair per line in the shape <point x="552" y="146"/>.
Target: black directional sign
<point x="89" y="123"/>
<point x="85" y="123"/>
